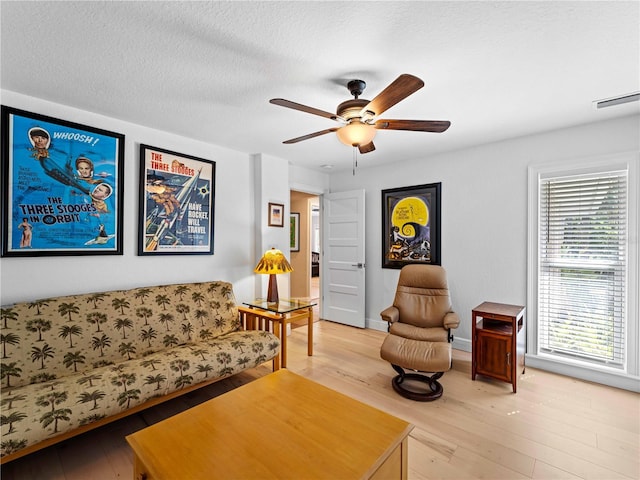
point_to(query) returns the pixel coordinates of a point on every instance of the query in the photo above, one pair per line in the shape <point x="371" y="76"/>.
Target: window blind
<point x="583" y="267"/>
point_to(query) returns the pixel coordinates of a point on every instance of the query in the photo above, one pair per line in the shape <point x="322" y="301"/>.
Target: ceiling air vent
<point x="619" y="100"/>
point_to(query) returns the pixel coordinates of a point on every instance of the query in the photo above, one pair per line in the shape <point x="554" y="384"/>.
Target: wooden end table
<point x="281" y="426"/>
<point x="498" y="341"/>
<point x="262" y="315"/>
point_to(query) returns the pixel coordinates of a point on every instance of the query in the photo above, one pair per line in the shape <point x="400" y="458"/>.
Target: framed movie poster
<point x="411" y="225"/>
<point x="62" y="187"/>
<point x="177" y="194"/>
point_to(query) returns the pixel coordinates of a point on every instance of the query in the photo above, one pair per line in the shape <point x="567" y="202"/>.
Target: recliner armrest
<point x="451" y="320"/>
<point x="390" y="314"/>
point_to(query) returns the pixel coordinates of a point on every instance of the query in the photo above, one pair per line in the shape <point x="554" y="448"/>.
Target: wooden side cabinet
<point x="498" y="341"/>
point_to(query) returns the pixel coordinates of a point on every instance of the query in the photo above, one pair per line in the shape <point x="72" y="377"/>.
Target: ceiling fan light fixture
<point x="356" y="133"/>
<point x="360" y="115"/>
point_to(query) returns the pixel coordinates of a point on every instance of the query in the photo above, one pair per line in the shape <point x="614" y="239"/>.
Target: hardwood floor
<point x="554" y="427"/>
<point x="314" y="296"/>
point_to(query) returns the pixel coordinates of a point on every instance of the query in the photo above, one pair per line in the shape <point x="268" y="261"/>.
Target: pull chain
<point x="355" y="159"/>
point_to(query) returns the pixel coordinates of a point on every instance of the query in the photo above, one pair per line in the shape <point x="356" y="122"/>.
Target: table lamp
<point x="273" y="262"/>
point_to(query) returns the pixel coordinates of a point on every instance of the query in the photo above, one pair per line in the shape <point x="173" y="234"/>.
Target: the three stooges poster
<point x="176" y="203"/>
<point x="62" y="187"/>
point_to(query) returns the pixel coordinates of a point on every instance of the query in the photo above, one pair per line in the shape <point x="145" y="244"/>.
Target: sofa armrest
<point x="390" y="314"/>
<point x="451" y="320"/>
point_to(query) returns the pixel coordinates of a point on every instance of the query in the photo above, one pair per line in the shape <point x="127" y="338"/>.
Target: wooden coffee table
<point x="277" y="427"/>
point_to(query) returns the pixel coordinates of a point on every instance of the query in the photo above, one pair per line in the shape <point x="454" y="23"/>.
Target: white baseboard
<point x="375" y="324"/>
<point x="463" y="344"/>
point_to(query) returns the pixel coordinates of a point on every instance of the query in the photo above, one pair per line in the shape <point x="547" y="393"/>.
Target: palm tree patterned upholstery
<point x="73" y="360"/>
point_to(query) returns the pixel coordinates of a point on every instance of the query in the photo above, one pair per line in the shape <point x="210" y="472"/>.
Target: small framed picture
<point x="295" y="232"/>
<point x="276" y="215"/>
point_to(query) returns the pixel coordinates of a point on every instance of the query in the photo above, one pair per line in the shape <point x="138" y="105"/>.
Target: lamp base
<point x="272" y="293"/>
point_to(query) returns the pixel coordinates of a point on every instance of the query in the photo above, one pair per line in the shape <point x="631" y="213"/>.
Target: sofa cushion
<point x="53" y="338"/>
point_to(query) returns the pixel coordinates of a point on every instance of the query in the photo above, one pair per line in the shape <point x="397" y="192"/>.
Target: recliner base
<point x="433" y="392"/>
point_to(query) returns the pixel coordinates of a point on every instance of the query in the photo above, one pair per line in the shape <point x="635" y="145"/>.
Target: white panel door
<point x="343" y="272"/>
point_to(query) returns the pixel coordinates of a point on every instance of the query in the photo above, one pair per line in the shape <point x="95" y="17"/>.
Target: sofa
<point x="72" y="363"/>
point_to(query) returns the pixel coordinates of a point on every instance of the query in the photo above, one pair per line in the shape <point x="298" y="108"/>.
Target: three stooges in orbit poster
<point x="62" y="187"/>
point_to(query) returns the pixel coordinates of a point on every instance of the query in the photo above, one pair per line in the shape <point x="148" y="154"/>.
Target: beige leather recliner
<point x="420" y="323"/>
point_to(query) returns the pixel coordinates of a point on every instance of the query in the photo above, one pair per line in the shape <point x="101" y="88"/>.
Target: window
<point x="582" y="267"/>
<point x="582" y="295"/>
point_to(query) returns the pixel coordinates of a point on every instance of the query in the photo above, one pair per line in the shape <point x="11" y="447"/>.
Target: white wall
<point x="244" y="185"/>
<point x="271" y="186"/>
<point x="235" y="221"/>
<point x="484" y="216"/>
<point x="484" y="212"/>
<point x="308" y="181"/>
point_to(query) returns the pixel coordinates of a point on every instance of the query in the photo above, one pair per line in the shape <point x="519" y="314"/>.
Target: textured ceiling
<point x="206" y="70"/>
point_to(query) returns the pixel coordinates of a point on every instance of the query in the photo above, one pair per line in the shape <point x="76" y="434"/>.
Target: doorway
<point x="314" y="234"/>
<point x="305" y="278"/>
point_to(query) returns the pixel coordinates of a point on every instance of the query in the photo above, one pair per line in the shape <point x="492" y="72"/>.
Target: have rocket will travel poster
<point x="176" y="203"/>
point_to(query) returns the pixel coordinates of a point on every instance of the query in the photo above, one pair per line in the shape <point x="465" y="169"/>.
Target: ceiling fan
<point x="360" y="117"/>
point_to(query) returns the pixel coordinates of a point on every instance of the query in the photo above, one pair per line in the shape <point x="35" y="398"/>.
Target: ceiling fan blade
<point x="436" y="126"/>
<point x="311" y="135"/>
<point x="369" y="147"/>
<point x="303" y="108"/>
<point x="398" y="90"/>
